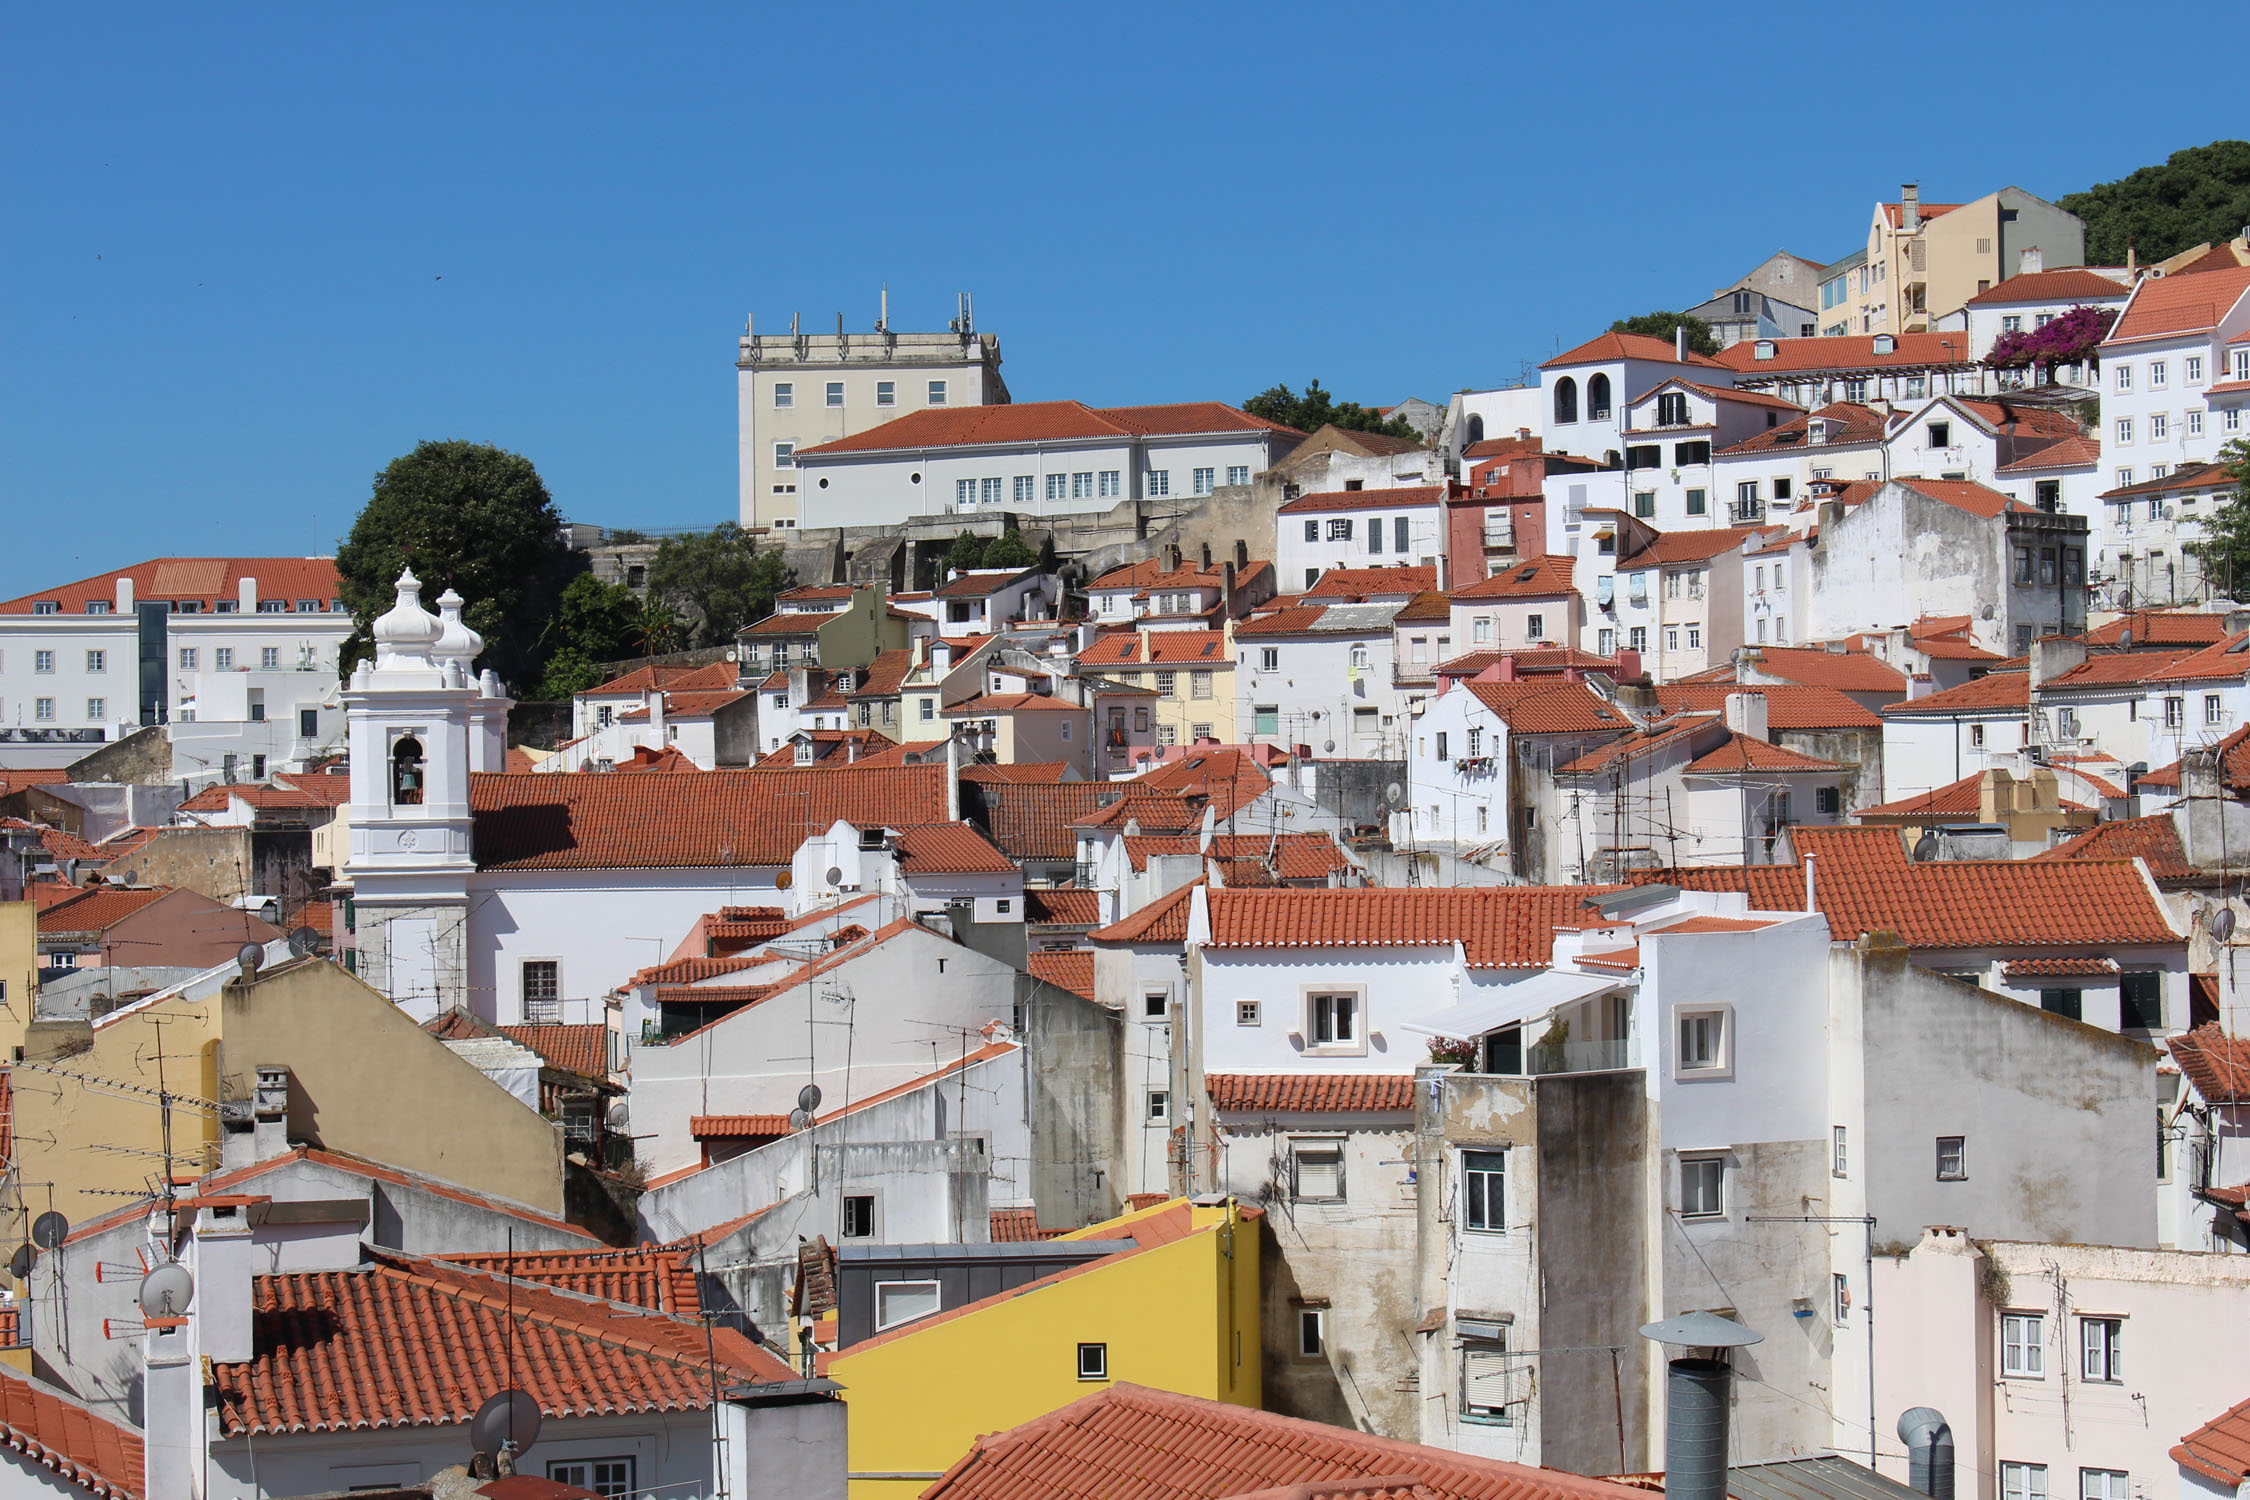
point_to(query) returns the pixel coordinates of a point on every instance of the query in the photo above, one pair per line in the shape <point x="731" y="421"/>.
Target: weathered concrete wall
<point x="1075" y="1100"/>
<point x="143" y="758"/>
<point x="1858" y="751"/>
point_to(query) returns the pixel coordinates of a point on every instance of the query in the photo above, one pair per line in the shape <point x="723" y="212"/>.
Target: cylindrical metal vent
<point x="1695" y="1429"/>
<point x="1929" y="1451"/>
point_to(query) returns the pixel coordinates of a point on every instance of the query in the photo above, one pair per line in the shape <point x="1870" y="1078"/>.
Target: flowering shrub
<point x="2068" y="340"/>
<point x="1453" y="1049"/>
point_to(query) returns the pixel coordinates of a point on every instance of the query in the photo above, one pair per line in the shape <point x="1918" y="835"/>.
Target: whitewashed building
<point x="2176" y="374"/>
<point x="1361" y="529"/>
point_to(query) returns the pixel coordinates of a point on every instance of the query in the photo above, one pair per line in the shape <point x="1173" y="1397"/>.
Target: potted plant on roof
<point x="1454" y="1051"/>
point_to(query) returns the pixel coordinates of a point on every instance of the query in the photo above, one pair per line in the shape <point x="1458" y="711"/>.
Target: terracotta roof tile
<point x="1993" y="693"/>
<point x="1546" y="706"/>
<point x="1741" y="752"/>
<point x="2216" y="1064"/>
<point x="1608" y="347"/>
<point x="2065" y="453"/>
<point x="1161" y="922"/>
<point x="1032" y="820"/>
<point x="1339" y="584"/>
<point x="713" y="819"/>
<point x="2161" y="627"/>
<point x="1126" y="1442"/>
<point x="2169" y="306"/>
<point x="1854" y="351"/>
<point x="401" y="1342"/>
<point x="1496" y="926"/>
<point x="53" y="1431"/>
<point x="1230" y="776"/>
<point x="1788" y="707"/>
<point x="1845" y="671"/>
<point x="2223" y="661"/>
<point x="2073" y="284"/>
<point x="1043" y="421"/>
<point x="2220" y="1448"/>
<point x="580" y="1049"/>
<point x="1391" y="499"/>
<point x="1244" y="857"/>
<point x="2059" y="968"/>
<point x="1018" y="1226"/>
<point x="1309" y="1092"/>
<point x="2154" y="840"/>
<point x="1686" y="546"/>
<point x="206" y="579"/>
<point x="739" y="1127"/>
<point x="99" y="908"/>
<point x="1068" y="908"/>
<point x="1847" y="424"/>
<point x="1963" y="494"/>
<point x="658" y="1277"/>
<point x="711" y="677"/>
<point x="1072" y="971"/>
<point x="1532" y="578"/>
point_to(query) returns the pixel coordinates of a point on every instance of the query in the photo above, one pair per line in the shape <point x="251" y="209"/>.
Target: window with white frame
<point x="2104" y="1484"/>
<point x="610" y="1478"/>
<point x="2156" y="374"/>
<point x="1702" y="1041"/>
<point x="1839" y="1155"/>
<point x="785" y="455"/>
<point x="1703" y="1187"/>
<point x="835" y="393"/>
<point x="937" y="393"/>
<point x="1332" y="1021"/>
<point x="187" y="658"/>
<point x="2023" y="1345"/>
<point x="1484" y="1191"/>
<point x="1840" y="1299"/>
<point x="1159" y="483"/>
<point x="2214" y="709"/>
<point x="784" y="395"/>
<point x="2195" y="423"/>
<point x="1316" y="1169"/>
<point x="1312" y="1333"/>
<point x="2159" y="428"/>
<point x="899" y="1302"/>
<point x="43" y="710"/>
<point x="2124" y="377"/>
<point x="2101" y="1348"/>
<point x="1205" y="480"/>
<point x="886" y="393"/>
<point x="1238" y="473"/>
<point x="42" y="661"/>
<point x="1492" y="1384"/>
<point x="1093" y="1361"/>
<point x="1246" y="1012"/>
<point x="1026" y="489"/>
<point x="2124" y="430"/>
<point x="1112" y="483"/>
<point x="1339" y="528"/>
<point x="97" y="709"/>
<point x="269" y="657"/>
<point x="1158" y="1108"/>
<point x="1953" y="1154"/>
<point x="859" y="1216"/>
<point x="2023" y="1481"/>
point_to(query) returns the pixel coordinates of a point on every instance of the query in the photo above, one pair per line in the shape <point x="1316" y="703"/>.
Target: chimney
<point x="124" y="593"/>
<point x="1226" y="589"/>
<point x="269" y="1115"/>
<point x="1746" y="714"/>
<point x="1698" y="1390"/>
<point x="246" y="595"/>
<point x="2030" y="263"/>
<point x="1628" y="665"/>
<point x="654" y="697"/>
<point x="222" y="1283"/>
<point x="1910" y="207"/>
<point x="1241" y="554"/>
<point x="1929" y="1451"/>
<point x="1679" y="343"/>
<point x="1507" y="669"/>
<point x="1523" y="434"/>
<point x="1206" y="557"/>
<point x="1171" y="557"/>
<point x="2053" y="655"/>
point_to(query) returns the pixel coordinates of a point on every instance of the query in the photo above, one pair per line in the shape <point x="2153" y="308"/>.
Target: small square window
<point x="1702" y="1187"/>
<point x="937" y="393"/>
<point x="859" y="1216"/>
<point x="1159" y="1107"/>
<point x="97" y="661"/>
<point x="1317" y="1171"/>
<point x="1952" y="1158"/>
<point x="886" y="393"/>
<point x="784" y="396"/>
<point x="835" y="393"/>
<point x="1703" y="1043"/>
<point x="1246" y="1013"/>
<point x="1093" y="1361"/>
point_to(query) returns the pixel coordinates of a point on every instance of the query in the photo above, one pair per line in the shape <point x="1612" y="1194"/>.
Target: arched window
<point x="406" y="773"/>
<point x="1597" y="398"/>
<point x="1566" y="400"/>
<point x="1476" y="429"/>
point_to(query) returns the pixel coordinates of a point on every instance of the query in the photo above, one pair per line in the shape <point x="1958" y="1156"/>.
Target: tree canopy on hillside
<point x="1316" y="408"/>
<point x="2198" y="196"/>
<point x="1659" y="325"/>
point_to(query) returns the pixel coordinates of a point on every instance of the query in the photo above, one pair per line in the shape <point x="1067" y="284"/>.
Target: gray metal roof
<point x="1356" y="617"/>
<point x="1826" y="1477"/>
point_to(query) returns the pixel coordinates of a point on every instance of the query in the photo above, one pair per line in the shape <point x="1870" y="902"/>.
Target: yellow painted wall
<point x="1182" y="1317"/>
<point x="19" y="970"/>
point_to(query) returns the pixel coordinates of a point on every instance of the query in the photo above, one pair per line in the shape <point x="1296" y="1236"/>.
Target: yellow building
<point x="1190" y="671"/>
<point x="1178" y="1311"/>
<point x="1924" y="261"/>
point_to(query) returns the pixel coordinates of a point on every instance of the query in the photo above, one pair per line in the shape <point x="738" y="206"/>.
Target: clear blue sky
<point x="228" y="225"/>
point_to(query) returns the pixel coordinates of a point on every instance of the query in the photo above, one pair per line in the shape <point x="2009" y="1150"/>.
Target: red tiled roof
<point x="1993" y="693"/>
<point x="1339" y="584"/>
<point x="2216" y="476"/>
<point x="53" y="1431"/>
<point x="1018" y="1226"/>
<point x="2215" y="1064"/>
<point x="2161" y="627"/>
<point x="2073" y="284"/>
<point x="1310" y="1092"/>
<point x="325" y="788"/>
<point x="209" y="579"/>
<point x="949" y="849"/>
<point x="658" y="1277"/>
<point x="2168" y="306"/>
<point x="1849" y="425"/>
<point x="1498" y="927"/>
<point x="1963" y="494"/>
<point x="1294" y="856"/>
<point x="1531" y="578"/>
<point x="2066" y="453"/>
<point x="401" y="1342"/>
<point x="739" y="1127"/>
<point x="1032" y="820"/>
<point x="1430" y="606"/>
<point x="1043" y="421"/>
<point x="1788" y="706"/>
<point x="2224" y="660"/>
<point x="1012" y="703"/>
<point x="1845" y="671"/>
<point x="1287" y="620"/>
<point x="1685" y="546"/>
<point x="791" y="624"/>
<point x="1717" y="393"/>
<point x="981" y="583"/>
<point x="1145" y="573"/>
<point x="1997" y="414"/>
<point x="1855" y="351"/>
<point x="1958" y="799"/>
<point x="2220" y="1448"/>
<point x="580" y="1049"/>
<point x="1158" y="647"/>
<point x="2059" y="968"/>
<point x="1546" y="706"/>
<point x="99" y="908"/>
<point x="1045" y="772"/>
<point x="1896" y="215"/>
<point x="714" y="819"/>
<point x="1069" y="908"/>
<point x="2155" y="840"/>
<point x="61" y="845"/>
<point x="1162" y="921"/>
<point x="1607" y="347"/>
<point x="1072" y="970"/>
<point x="1743" y="753"/>
<point x="711" y="677"/>
<point x="1393" y="499"/>
<point x="1230" y="776"/>
<point x="1127" y="1442"/>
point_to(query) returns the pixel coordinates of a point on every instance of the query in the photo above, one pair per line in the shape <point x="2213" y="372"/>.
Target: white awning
<point x="1525" y="1000"/>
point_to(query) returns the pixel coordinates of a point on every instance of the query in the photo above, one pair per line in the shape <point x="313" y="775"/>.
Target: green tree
<point x="1316" y="408"/>
<point x="2225" y="548"/>
<point x="1010" y="550"/>
<point x="2200" y="195"/>
<point x="715" y="583"/>
<point x="594" y="623"/>
<point x="967" y="552"/>
<point x="1659" y="325"/>
<point x="471" y="517"/>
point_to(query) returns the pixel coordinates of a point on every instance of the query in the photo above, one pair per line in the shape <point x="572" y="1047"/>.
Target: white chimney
<point x="2031" y="262"/>
<point x="1679" y="343"/>
<point x="1746" y="714"/>
<point x="246" y="595"/>
<point x="124" y="593"/>
<point x="1910" y="207"/>
<point x="655" y="700"/>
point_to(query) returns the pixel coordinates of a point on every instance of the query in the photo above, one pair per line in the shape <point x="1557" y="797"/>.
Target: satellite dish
<point x="508" y="1419"/>
<point x="251" y="956"/>
<point x="782" y="881"/>
<point x="2125" y="639"/>
<point x="304" y="942"/>
<point x="19" y="1264"/>
<point x="1702" y="1330"/>
<point x="1329" y="745"/>
<point x="799" y="1119"/>
<point x="834" y="875"/>
<point x="49" y="1230"/>
<point x="1926" y="848"/>
<point x="808" y="1097"/>
<point x="1393" y="792"/>
<point x="2222" y="924"/>
<point x="166" y="1291"/>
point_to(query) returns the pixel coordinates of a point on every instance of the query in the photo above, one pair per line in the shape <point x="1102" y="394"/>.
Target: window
<point x="46" y="607"/>
<point x="43" y="709"/>
<point x="1597" y="398"/>
<point x="269" y="657"/>
<point x="1695" y="637"/>
<point x="2070" y="1003"/>
<point x="937" y="393"/>
<point x="2156" y="374"/>
<point x="1644" y="503"/>
<point x="886" y="393"/>
<point x="2023" y="1345"/>
<point x="1839" y="1163"/>
<point x="1702" y="1041"/>
<point x="1205" y="480"/>
<point x="2124" y="377"/>
<point x="1703" y="1182"/>
<point x="1093" y="1361"/>
<point x="1160" y="484"/>
<point x="785" y="455"/>
<point x="1828" y="801"/>
<point x="1269" y="658"/>
<point x="1246" y="1012"/>
<point x="1637" y="638"/>
<point x="859" y="1216"/>
<point x="1199" y="684"/>
<point x="2159" y="428"/>
<point x="1113" y="483"/>
<point x="2195" y="423"/>
<point x="607" y="1477"/>
<point x="187" y="658"/>
<point x="542" y="984"/>
<point x="2013" y="323"/>
<point x="2214" y="709"/>
<point x="1671" y="410"/>
<point x="1484" y="1190"/>
<point x="2140" y="1002"/>
<point x="1201" y="732"/>
<point x="899" y="1302"/>
<point x="1238" y="473"/>
<point x="2192" y="371"/>
<point x="835" y="393"/>
<point x="964" y="493"/>
<point x="1339" y="529"/>
<point x="1317" y="1170"/>
<point x="97" y="661"/>
<point x="1696" y="503"/>
<point x="2125" y="477"/>
<point x="1535" y="627"/>
<point x="1566" y="400"/>
<point x="1952" y="1158"/>
<point x="784" y="395"/>
<point x="1158" y="1108"/>
<point x="1840" y="1299"/>
<point x="42" y="661"/>
<point x="2175" y="712"/>
<point x="2124" y="430"/>
<point x="308" y="723"/>
<point x="1941" y="434"/>
<point x="991" y="495"/>
<point x="97" y="709"/>
<point x="1311" y="1340"/>
<point x="1026" y="489"/>
<point x="1057" y="486"/>
<point x="2101" y="1349"/>
<point x="1333" y="1019"/>
<point x="1265" y="718"/>
<point x="1746" y="495"/>
<point x="2023" y="1482"/>
<point x="1488" y="1374"/>
<point x="2104" y="1484"/>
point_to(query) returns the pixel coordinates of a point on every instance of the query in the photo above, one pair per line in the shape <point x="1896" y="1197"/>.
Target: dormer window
<point x="1671" y="410"/>
<point x="1765" y="349"/>
<point x="406" y="772"/>
<point x="804" y="752"/>
<point x="1885" y="344"/>
<point x="1816" y="431"/>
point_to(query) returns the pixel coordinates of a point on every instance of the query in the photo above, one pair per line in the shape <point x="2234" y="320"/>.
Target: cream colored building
<point x="1926" y="260"/>
<point x="1190" y="671"/>
<point x="796" y="390"/>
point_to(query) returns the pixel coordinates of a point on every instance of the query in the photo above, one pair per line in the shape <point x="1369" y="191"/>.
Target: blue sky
<point x="254" y="253"/>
